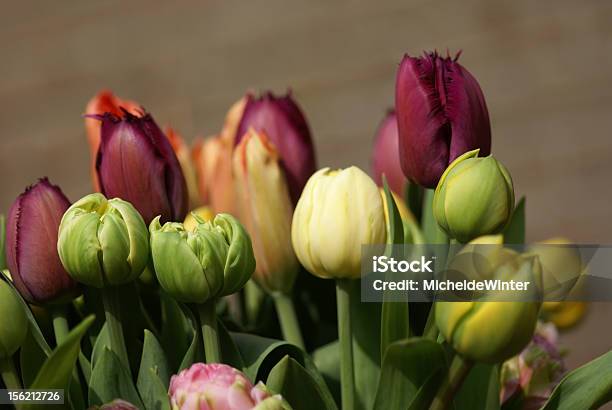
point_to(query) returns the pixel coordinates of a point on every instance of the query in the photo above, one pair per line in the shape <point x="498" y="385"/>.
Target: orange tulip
<point x="104" y="101"/>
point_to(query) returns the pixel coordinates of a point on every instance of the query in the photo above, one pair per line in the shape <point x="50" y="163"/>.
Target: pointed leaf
<point x="327" y="360"/>
<point x="515" y="230"/>
<point x="153" y="375"/>
<point x="31" y="359"/>
<point x="177" y="333"/>
<point x="291" y="380"/>
<point x="111" y="380"/>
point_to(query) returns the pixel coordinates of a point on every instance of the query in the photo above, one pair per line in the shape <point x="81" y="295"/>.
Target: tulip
<point x="531" y="375"/>
<point x="561" y="267"/>
<point x="215" y="259"/>
<point x="104" y="101"/>
<point x="116" y="404"/>
<point x="32" y="258"/>
<point x="103" y="242"/>
<point x="338" y="212"/>
<point x="14" y="324"/>
<point x="385" y="157"/>
<point x="220" y="387"/>
<point x="266" y="211"/>
<point x="441" y="114"/>
<point x="492" y="332"/>
<point x="183" y="154"/>
<point x="282" y="121"/>
<point x="474" y="197"/>
<point x="136" y="163"/>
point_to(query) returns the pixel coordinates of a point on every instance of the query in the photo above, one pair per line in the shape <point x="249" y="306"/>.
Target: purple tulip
<point x="385" y="158"/>
<point x="31" y="245"/>
<point x="441" y="114"/>
<point x="284" y="124"/>
<point x="136" y="163"/>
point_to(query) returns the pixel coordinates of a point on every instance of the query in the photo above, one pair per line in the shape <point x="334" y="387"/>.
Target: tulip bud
<point x="103" y="242"/>
<point x="491" y="332"/>
<point x="385" y="157"/>
<point x="136" y="162"/>
<point x="215" y="259"/>
<point x="338" y="212"/>
<point x="116" y="404"/>
<point x="441" y="114"/>
<point x="31" y="250"/>
<point x="266" y="210"/>
<point x="218" y="386"/>
<point x="561" y="266"/>
<point x="474" y="197"/>
<point x="183" y="154"/>
<point x="282" y="121"/>
<point x="104" y="101"/>
<point x="14" y="324"/>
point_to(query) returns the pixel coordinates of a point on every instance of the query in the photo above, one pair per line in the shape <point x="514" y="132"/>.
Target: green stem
<point x="112" y="310"/>
<point x="288" y="319"/>
<point x="60" y="324"/>
<point x="208" y="319"/>
<point x="345" y="336"/>
<point x="9" y="374"/>
<point x="457" y="372"/>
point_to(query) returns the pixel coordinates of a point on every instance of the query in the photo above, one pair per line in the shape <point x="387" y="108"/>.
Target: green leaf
<point x="411" y="372"/>
<point x="587" y="387"/>
<point x="515" y="230"/>
<point x="195" y="353"/>
<point x="153" y="375"/>
<point x="432" y="232"/>
<point x="111" y="380"/>
<point x="480" y="390"/>
<point x="34" y="328"/>
<point x="229" y="351"/>
<point x="31" y="359"/>
<point x="295" y="383"/>
<point x="327" y="361"/>
<point x="56" y="372"/>
<point x="395" y="321"/>
<point x="102" y="342"/>
<point x="177" y="332"/>
<point x="414" y="199"/>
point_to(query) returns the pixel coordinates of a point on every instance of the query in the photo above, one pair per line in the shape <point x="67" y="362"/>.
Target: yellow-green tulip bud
<point x="492" y="332"/>
<point x="14" y="326"/>
<point x="561" y="266"/>
<point x="338" y="212"/>
<point x="103" y="242"/>
<point x="474" y="197"/>
<point x="194" y="266"/>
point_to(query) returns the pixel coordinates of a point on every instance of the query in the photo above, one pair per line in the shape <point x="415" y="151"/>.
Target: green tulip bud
<point x="103" y="242"/>
<point x="214" y="259"/>
<point x="492" y="332"/>
<point x="14" y="324"/>
<point x="474" y="197"/>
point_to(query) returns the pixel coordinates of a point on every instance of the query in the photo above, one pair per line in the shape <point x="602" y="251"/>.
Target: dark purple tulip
<point x="136" y="163"/>
<point x="385" y="157"/>
<point x="31" y="245"/>
<point x="284" y="124"/>
<point x="441" y="114"/>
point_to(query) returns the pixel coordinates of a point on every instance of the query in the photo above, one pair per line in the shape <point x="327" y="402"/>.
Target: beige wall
<point x="545" y="67"/>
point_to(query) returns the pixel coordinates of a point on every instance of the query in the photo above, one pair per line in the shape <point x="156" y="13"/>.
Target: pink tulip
<point x="385" y="157"/>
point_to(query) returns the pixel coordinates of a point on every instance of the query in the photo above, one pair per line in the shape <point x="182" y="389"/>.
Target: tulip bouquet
<point x="226" y="275"/>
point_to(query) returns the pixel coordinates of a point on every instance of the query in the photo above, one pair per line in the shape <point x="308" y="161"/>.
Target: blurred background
<point x="545" y="68"/>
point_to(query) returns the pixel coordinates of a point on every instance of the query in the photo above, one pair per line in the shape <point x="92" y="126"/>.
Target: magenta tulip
<point x="441" y="114"/>
<point x="136" y="163"/>
<point x="385" y="158"/>
<point x="282" y="121"/>
<point x="31" y="245"/>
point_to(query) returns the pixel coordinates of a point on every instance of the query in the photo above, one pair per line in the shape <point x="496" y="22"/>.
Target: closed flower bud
<point x="183" y="154"/>
<point x="282" y="121"/>
<point x="385" y="156"/>
<point x="104" y="101"/>
<point x="491" y="332"/>
<point x="103" y="242"/>
<point x="116" y="404"/>
<point x="561" y="266"/>
<point x="338" y="212"/>
<point x="31" y="238"/>
<point x="266" y="210"/>
<point x="14" y="324"/>
<point x="474" y="197"/>
<point x="219" y="387"/>
<point x="441" y="114"/>
<point x="136" y="162"/>
<point x="215" y="259"/>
